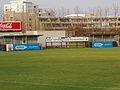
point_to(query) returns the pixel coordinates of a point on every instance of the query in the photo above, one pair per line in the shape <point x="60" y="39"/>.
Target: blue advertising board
<point x="102" y="44"/>
<point x="29" y="46"/>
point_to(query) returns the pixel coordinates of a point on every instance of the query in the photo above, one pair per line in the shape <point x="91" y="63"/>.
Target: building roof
<point x="18" y="35"/>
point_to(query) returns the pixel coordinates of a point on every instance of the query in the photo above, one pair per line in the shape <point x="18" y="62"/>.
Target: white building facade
<point x="20" y="6"/>
<point x="25" y="6"/>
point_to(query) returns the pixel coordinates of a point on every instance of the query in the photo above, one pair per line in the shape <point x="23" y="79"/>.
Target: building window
<point x="30" y="19"/>
<point x="49" y="13"/>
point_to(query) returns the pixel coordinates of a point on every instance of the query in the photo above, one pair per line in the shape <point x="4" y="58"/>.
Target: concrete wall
<point x="45" y="34"/>
<point x="50" y="34"/>
<point x="10" y="33"/>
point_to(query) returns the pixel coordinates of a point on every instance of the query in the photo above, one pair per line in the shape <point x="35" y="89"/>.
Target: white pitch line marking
<point x="58" y="85"/>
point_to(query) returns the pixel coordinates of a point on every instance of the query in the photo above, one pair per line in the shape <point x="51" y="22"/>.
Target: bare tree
<point x="59" y="12"/>
<point x="77" y="10"/>
<point x="68" y="11"/>
<point x="91" y="10"/>
<point x="99" y="11"/>
<point x="55" y="12"/>
<point x="63" y="11"/>
<point x="115" y="9"/>
<point x="106" y="11"/>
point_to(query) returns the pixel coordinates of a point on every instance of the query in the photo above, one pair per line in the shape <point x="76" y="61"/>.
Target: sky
<point x="71" y="4"/>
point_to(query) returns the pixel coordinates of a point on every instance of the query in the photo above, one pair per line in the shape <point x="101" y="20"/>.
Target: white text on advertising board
<point x="66" y="39"/>
<point x="7" y="25"/>
<point x="98" y="44"/>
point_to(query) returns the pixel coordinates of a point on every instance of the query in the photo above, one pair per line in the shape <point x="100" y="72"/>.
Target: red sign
<point x="10" y="26"/>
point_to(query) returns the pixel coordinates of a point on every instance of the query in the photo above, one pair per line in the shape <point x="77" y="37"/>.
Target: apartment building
<point x="26" y="12"/>
<point x="25" y="6"/>
<point x="20" y="6"/>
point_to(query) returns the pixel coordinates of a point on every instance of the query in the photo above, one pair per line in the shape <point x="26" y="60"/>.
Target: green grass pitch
<point x="61" y="69"/>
